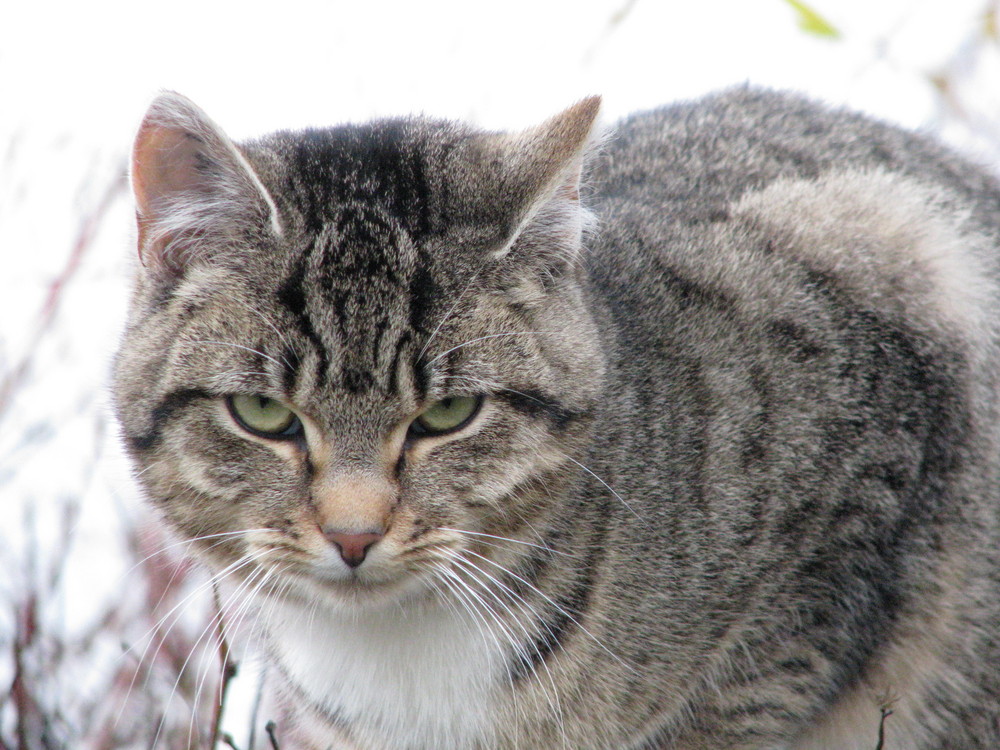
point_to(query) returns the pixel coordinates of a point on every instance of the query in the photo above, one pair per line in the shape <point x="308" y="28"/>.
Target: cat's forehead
<point x="358" y="310"/>
<point x="395" y="166"/>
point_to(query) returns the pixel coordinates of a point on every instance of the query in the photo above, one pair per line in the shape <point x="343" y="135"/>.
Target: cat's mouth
<point x="364" y="586"/>
<point x="387" y="573"/>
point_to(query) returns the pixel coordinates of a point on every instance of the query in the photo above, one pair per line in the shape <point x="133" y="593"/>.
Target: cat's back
<point x="689" y="161"/>
<point x="748" y="195"/>
<point x="801" y="305"/>
<point x="762" y="227"/>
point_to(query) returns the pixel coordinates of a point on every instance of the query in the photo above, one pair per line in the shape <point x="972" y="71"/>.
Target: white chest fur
<point x="401" y="679"/>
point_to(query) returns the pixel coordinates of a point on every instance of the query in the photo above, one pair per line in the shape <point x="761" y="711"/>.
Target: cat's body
<point x="728" y="472"/>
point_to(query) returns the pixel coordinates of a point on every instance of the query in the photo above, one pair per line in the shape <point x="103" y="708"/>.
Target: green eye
<point x="264" y="416"/>
<point x="446" y="415"/>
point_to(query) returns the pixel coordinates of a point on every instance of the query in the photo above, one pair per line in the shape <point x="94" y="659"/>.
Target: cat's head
<point x="354" y="352"/>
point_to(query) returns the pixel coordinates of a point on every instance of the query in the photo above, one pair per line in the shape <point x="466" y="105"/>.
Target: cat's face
<point x="356" y="357"/>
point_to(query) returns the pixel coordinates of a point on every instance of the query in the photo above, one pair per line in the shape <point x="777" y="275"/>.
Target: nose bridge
<point x="359" y="436"/>
<point x="353" y="500"/>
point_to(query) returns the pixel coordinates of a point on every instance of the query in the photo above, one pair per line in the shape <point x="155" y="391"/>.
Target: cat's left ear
<point x="195" y="193"/>
<point x="528" y="184"/>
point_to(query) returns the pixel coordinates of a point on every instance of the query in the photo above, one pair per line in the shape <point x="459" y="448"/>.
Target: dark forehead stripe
<point x="423" y="292"/>
<point x="290" y="370"/>
<point x="374" y="163"/>
<point x="361" y="249"/>
<point x="362" y="192"/>
<point x="361" y="282"/>
<point x="291" y="294"/>
<point x="358" y="319"/>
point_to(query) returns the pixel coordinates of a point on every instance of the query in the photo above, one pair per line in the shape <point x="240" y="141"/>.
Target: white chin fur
<point x="403" y="677"/>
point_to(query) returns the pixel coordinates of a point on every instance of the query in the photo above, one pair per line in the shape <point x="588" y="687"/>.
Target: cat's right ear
<point x="195" y="193"/>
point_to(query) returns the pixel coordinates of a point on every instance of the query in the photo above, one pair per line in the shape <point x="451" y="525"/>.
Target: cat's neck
<point x="412" y="677"/>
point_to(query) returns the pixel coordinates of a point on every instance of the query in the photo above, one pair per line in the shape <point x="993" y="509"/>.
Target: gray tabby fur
<point x="734" y="483"/>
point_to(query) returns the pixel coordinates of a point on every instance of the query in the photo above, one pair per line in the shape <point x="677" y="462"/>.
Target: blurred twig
<point x="30" y="717"/>
<point x="270" y="729"/>
<point x="228" y="667"/>
<point x="616" y="19"/>
<point x="46" y="315"/>
<point x="982" y="123"/>
<point x="886" y="713"/>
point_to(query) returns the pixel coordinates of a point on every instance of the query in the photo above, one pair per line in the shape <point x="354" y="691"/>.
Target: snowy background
<point x="92" y="655"/>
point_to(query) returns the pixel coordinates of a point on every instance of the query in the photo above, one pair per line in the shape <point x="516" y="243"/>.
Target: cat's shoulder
<point x="691" y="162"/>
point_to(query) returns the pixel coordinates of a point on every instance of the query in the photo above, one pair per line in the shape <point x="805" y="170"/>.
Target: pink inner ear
<point x="193" y="189"/>
<point x="164" y="170"/>
<point x="164" y="164"/>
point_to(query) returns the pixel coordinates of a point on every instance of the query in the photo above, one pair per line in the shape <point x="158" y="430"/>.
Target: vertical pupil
<point x="263" y="402"/>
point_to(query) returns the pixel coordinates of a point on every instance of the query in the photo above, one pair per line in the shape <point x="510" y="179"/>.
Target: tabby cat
<point x="683" y="436"/>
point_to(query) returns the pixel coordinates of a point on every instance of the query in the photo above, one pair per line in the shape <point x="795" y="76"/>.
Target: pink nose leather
<point x="353" y="547"/>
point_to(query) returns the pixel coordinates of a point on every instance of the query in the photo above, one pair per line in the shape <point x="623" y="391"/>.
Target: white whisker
<point x="454" y="583"/>
<point x="507" y="539"/>
<point x="194" y="647"/>
<point x="274" y="328"/>
<point x="154" y="634"/>
<point x="492" y="386"/>
<point x="451" y="311"/>
<point x="189" y="542"/>
<point x="552" y="697"/>
<point x="207" y="633"/>
<point x="240" y="346"/>
<point x="484" y="338"/>
<point x="558" y="607"/>
<point x="608" y="486"/>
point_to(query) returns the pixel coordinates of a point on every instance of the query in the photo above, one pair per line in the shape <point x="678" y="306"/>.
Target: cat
<point x="683" y="434"/>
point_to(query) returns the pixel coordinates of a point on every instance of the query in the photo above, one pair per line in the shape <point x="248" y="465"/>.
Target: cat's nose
<point x="353" y="547"/>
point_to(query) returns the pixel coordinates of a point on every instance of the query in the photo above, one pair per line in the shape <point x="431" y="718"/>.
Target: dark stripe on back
<point x="795" y="339"/>
<point x="692" y="294"/>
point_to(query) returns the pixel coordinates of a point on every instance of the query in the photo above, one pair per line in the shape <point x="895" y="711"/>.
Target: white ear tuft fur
<point x="545" y="165"/>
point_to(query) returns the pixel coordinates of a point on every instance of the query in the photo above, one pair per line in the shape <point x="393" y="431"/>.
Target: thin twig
<point x="886" y="713"/>
<point x="229" y="669"/>
<point x="270" y="728"/>
<point x="30" y="716"/>
<point x="84" y="240"/>
<point x="255" y="710"/>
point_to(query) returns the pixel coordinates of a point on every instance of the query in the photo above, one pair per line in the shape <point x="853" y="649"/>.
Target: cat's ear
<point x="194" y="191"/>
<point x="531" y="180"/>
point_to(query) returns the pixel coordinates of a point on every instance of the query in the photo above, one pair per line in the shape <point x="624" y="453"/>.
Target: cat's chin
<point x="353" y="594"/>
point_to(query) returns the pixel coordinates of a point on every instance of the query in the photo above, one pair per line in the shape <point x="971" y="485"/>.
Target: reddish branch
<point x="84" y="240"/>
<point x="228" y="670"/>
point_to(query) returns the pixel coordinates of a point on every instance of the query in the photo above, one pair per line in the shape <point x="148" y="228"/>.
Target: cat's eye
<point x="264" y="416"/>
<point x="446" y="415"/>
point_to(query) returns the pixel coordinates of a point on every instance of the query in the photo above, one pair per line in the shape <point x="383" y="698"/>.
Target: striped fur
<point x="733" y="480"/>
